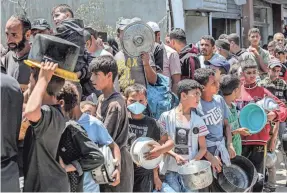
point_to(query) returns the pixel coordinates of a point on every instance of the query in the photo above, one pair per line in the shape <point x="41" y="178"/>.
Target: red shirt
<point x="253" y="95"/>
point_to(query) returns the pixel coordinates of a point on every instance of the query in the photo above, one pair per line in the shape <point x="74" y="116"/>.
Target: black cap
<point x="222" y="43"/>
<point x="40" y="24"/>
<point x="92" y="31"/>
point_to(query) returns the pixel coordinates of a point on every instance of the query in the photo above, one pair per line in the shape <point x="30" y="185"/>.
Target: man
<point x="237" y="52"/>
<point x="11" y="115"/>
<point x="207" y="44"/>
<point x="18" y="31"/>
<point x="133" y="69"/>
<point x="170" y="58"/>
<point x="258" y="54"/>
<point x="223" y="47"/>
<point x="92" y="44"/>
<point x="41" y="26"/>
<point x="187" y="53"/>
<point x="279" y="38"/>
<point x="271" y="47"/>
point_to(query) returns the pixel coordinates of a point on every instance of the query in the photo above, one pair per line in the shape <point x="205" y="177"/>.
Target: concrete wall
<point x="196" y="27"/>
<point x="107" y="12"/>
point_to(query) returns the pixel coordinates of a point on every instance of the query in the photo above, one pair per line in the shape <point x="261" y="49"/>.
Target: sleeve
<point x="162" y="121"/>
<point x="282" y="112"/>
<point x="174" y="64"/>
<point x="45" y="120"/>
<point x="159" y="127"/>
<point x="103" y="135"/>
<point x="112" y="120"/>
<point x="91" y="156"/>
<point x="203" y="131"/>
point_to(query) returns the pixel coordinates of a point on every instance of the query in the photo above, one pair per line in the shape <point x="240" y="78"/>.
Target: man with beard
<point x="207" y="44"/>
<point x="279" y="39"/>
<point x="18" y="31"/>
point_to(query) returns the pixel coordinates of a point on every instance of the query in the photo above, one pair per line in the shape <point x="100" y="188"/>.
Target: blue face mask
<point x="136" y="108"/>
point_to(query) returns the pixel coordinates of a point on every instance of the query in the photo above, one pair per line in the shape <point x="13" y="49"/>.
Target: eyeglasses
<point x="196" y="94"/>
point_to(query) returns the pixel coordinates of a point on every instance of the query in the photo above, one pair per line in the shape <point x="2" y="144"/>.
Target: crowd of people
<point x="52" y="128"/>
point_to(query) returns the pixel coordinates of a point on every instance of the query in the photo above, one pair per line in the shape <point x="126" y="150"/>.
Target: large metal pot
<point x="268" y="104"/>
<point x="196" y="174"/>
<point x="240" y="176"/>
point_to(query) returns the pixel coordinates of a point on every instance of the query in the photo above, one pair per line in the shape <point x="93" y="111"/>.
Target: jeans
<point x="174" y="181"/>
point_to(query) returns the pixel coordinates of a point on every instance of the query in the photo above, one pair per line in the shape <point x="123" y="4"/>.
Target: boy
<point x="77" y="152"/>
<point x="145" y="126"/>
<point x="215" y="113"/>
<point x="254" y="146"/>
<point x="68" y="98"/>
<point x="280" y="54"/>
<point x="181" y="123"/>
<point x="113" y="113"/>
<point x="221" y="67"/>
<point x="42" y="172"/>
<point x="230" y="88"/>
<point x="88" y="107"/>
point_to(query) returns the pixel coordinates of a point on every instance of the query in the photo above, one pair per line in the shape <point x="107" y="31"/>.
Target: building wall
<point x="105" y="12"/>
<point x="196" y="27"/>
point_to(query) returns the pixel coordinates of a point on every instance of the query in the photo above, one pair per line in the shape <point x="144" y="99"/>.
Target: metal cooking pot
<point x="196" y="174"/>
<point x="103" y="173"/>
<point x="137" y="38"/>
<point x="240" y="176"/>
<point x="268" y="104"/>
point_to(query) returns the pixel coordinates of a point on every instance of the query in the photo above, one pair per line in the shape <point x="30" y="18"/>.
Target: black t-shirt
<point x="16" y="68"/>
<point x="11" y="115"/>
<point x="158" y="55"/>
<point x="42" y="173"/>
<point x="146" y="127"/>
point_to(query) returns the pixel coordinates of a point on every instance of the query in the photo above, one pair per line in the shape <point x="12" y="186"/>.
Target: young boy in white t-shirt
<point x="187" y="130"/>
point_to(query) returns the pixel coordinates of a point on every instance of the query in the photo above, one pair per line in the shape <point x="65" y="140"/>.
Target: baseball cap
<point x="125" y="22"/>
<point x="154" y="26"/>
<point x="274" y="63"/>
<point x="222" y="43"/>
<point x="40" y="24"/>
<point x="219" y="63"/>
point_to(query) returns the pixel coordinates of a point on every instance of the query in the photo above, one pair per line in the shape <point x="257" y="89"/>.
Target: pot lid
<point x="137" y="37"/>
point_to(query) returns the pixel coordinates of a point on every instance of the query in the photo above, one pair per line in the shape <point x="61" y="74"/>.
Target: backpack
<point x="160" y="98"/>
<point x="188" y="68"/>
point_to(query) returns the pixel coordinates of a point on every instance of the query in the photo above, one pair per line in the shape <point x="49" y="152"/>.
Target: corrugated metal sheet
<point x="233" y="11"/>
<point x="276" y="1"/>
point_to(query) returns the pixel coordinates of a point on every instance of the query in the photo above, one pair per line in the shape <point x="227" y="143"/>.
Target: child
<point x="77" y="152"/>
<point x="68" y="98"/>
<point x="254" y="146"/>
<point x="278" y="87"/>
<point x="280" y="54"/>
<point x="215" y="113"/>
<point x="112" y="112"/>
<point x="42" y="172"/>
<point x="88" y="107"/>
<point x="182" y="124"/>
<point x="230" y="88"/>
<point x="221" y="67"/>
<point x="145" y="126"/>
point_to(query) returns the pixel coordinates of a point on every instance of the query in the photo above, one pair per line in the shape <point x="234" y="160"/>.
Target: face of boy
<point x="212" y="86"/>
<point x="250" y="75"/>
<point x="274" y="72"/>
<point x="58" y="16"/>
<point x="89" y="109"/>
<point x="136" y="97"/>
<point x="100" y="80"/>
<point x="192" y="98"/>
<point x="254" y="39"/>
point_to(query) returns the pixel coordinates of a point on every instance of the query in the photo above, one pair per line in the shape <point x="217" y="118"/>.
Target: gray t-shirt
<point x="213" y="113"/>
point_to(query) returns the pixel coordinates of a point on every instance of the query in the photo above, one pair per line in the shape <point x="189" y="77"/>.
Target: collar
<point x="25" y="56"/>
<point x="250" y="86"/>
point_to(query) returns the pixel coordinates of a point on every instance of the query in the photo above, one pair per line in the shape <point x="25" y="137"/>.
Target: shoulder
<point x="217" y="97"/>
<point x="8" y="82"/>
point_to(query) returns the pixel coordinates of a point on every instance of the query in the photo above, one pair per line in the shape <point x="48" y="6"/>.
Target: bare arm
<point x="33" y="107"/>
<point x="262" y="65"/>
<point x="116" y="153"/>
<point x="149" y="72"/>
<point x="175" y="79"/>
<point x="202" y="148"/>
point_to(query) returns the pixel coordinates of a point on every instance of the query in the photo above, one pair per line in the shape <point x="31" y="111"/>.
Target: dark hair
<point x="272" y="44"/>
<point x="223" y="37"/>
<point x="253" y="30"/>
<point x="104" y="64"/>
<point x="234" y="38"/>
<point x="54" y="86"/>
<point x="234" y="69"/>
<point x="210" y="38"/>
<point x="178" y="34"/>
<point x="228" y="84"/>
<point x="92" y="31"/>
<point x="63" y="8"/>
<point x="279" y="49"/>
<point x="138" y="88"/>
<point x="202" y="75"/>
<point x="248" y="63"/>
<point x="187" y="85"/>
<point x="69" y="95"/>
<point x="26" y="24"/>
<point x="114" y="45"/>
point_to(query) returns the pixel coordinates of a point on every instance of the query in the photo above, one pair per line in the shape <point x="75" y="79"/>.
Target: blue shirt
<point x="99" y="135"/>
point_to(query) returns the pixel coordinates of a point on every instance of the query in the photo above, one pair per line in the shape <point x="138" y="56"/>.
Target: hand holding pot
<point x="180" y="160"/>
<point x="271" y="116"/>
<point x="116" y="177"/>
<point x="216" y="164"/>
<point x="243" y="131"/>
<point x="231" y="151"/>
<point x="154" y="153"/>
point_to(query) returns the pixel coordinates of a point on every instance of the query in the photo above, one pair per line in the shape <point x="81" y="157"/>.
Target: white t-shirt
<point x="183" y="136"/>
